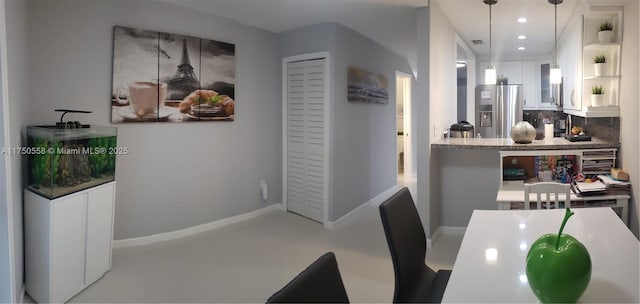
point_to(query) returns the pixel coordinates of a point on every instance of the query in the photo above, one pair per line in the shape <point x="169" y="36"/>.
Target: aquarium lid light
<point x="76" y="124"/>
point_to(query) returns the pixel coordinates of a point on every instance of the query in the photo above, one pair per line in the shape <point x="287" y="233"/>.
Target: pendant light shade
<point x="555" y="75"/>
<point x="490" y="72"/>
<point x="490" y="76"/>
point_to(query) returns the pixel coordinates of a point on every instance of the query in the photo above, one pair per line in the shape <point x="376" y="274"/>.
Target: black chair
<point x="319" y="283"/>
<point x="414" y="280"/>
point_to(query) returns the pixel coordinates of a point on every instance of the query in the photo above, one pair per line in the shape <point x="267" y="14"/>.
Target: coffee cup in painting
<point x="145" y="97"/>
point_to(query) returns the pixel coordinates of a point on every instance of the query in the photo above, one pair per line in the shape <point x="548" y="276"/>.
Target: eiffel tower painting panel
<point x="200" y="74"/>
<point x="179" y="66"/>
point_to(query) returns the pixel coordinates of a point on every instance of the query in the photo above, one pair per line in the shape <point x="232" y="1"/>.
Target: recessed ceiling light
<point x="522" y="37"/>
<point x="522" y="48"/>
<point x="522" y="20"/>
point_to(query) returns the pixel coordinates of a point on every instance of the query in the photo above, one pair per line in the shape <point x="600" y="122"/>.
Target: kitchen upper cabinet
<point x="537" y="93"/>
<point x="512" y="70"/>
<point x="570" y="61"/>
<point x="549" y="93"/>
<point x="527" y="73"/>
<point x="530" y="85"/>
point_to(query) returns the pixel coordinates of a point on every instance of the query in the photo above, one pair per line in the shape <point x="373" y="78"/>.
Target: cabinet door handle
<point x="573" y="97"/>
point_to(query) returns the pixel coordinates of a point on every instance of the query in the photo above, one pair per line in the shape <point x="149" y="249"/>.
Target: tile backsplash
<point x="605" y="128"/>
<point x="536" y="117"/>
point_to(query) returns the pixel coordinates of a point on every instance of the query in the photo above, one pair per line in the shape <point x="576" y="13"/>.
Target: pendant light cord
<point x="490" y="42"/>
<point x="555" y="36"/>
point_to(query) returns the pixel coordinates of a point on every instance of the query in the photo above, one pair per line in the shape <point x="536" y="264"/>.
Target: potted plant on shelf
<point x="597" y="96"/>
<point x="605" y="35"/>
<point x="598" y="64"/>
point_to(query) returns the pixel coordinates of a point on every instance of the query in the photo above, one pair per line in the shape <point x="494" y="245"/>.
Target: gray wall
<point x="468" y="180"/>
<point x="364" y="135"/>
<point x="162" y="183"/>
<point x="308" y="39"/>
<point x="18" y="91"/>
<point x="420" y="109"/>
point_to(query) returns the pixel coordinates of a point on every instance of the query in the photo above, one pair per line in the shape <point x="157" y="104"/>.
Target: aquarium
<point x="63" y="161"/>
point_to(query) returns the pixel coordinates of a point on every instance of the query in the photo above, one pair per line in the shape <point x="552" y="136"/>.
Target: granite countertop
<point x="507" y="144"/>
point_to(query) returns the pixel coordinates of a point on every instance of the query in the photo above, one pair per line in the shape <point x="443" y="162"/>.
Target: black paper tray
<point x="573" y="138"/>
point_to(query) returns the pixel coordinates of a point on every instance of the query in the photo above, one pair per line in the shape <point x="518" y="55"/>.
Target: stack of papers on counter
<point x="615" y="186"/>
<point x="592" y="188"/>
<point x="610" y="182"/>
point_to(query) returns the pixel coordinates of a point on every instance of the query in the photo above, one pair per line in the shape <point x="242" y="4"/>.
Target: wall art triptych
<point x="163" y="77"/>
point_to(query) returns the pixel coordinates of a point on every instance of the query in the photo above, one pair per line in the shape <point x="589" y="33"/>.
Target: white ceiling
<point x="470" y="18"/>
<point x="391" y="23"/>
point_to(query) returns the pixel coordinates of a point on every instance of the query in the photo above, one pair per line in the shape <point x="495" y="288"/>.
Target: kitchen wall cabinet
<point x="529" y="74"/>
<point x="530" y="83"/>
<point x="512" y="70"/>
<point x="570" y="61"/>
<point x="67" y="241"/>
<point x="609" y="80"/>
<point x="537" y="89"/>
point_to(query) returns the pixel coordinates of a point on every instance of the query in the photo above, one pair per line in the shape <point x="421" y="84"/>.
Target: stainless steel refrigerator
<point x="498" y="108"/>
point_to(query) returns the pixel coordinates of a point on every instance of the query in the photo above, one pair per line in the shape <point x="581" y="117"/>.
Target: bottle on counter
<point x="478" y="135"/>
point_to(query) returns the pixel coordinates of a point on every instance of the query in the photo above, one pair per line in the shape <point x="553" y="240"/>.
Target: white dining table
<point x="490" y="266"/>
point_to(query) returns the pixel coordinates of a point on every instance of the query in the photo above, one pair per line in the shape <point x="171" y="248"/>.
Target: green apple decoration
<point x="558" y="267"/>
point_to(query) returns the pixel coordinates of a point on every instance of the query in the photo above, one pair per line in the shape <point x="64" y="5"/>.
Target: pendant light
<point x="555" y="75"/>
<point x="490" y="76"/>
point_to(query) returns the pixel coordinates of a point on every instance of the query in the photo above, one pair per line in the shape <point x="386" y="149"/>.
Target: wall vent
<point x="477" y="41"/>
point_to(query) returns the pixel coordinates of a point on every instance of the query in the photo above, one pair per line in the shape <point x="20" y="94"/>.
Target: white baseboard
<point x="432" y="240"/>
<point x="383" y="196"/>
<point x="451" y="230"/>
<point x="379" y="199"/>
<point x="172" y="235"/>
<point x="23" y="291"/>
<point x="448" y="230"/>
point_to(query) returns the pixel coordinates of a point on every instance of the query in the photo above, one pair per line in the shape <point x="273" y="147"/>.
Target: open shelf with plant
<point x="601" y="61"/>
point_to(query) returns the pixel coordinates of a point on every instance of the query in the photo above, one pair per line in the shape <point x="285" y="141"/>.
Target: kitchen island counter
<point x="507" y="144"/>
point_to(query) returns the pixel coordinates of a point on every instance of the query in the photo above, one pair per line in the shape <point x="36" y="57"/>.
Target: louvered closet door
<point x="305" y="138"/>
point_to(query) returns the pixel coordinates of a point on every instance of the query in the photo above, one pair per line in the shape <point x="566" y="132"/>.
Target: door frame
<point x="327" y="128"/>
<point x="407" y="122"/>
<point x="6" y="159"/>
<point x="471" y="79"/>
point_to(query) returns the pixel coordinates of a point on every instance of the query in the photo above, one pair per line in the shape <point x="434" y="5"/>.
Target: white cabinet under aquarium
<point x="68" y="209"/>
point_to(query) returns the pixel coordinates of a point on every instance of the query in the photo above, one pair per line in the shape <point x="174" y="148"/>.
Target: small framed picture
<point x="564" y="170"/>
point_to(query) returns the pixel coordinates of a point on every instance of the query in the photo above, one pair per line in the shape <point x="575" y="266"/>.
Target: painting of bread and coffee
<point x="163" y="77"/>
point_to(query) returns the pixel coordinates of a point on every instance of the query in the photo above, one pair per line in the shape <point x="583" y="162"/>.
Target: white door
<point x="403" y="126"/>
<point x="67" y="251"/>
<point x="99" y="229"/>
<point x="305" y="136"/>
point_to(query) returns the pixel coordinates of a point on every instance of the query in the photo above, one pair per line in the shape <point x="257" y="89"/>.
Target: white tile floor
<point x="248" y="261"/>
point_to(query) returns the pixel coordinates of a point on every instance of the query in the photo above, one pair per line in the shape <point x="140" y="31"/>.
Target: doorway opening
<point x="464" y="93"/>
<point x="404" y="152"/>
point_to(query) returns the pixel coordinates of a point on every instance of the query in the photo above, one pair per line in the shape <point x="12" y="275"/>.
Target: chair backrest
<point x="319" y="283"/>
<point x="552" y="194"/>
<point x="407" y="245"/>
